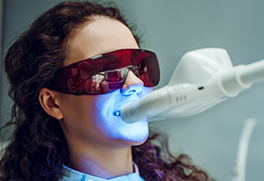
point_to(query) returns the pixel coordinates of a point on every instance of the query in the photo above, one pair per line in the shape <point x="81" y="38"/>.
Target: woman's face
<point x="91" y="118"/>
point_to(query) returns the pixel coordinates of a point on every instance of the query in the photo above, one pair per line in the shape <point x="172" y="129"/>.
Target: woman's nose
<point x="132" y="84"/>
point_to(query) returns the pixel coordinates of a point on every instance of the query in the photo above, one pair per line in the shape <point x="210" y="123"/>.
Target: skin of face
<point x="90" y="118"/>
<point x="99" y="142"/>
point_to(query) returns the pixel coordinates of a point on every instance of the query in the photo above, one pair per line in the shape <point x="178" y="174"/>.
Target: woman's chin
<point x="139" y="139"/>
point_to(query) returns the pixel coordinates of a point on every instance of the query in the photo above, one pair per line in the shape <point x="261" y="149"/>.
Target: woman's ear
<point x="50" y="103"/>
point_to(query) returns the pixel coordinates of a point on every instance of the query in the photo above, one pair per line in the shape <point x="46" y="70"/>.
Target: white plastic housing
<point x="202" y="79"/>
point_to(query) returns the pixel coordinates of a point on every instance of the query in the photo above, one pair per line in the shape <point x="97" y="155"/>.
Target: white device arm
<point x="239" y="172"/>
<point x="202" y="79"/>
<point x="253" y="73"/>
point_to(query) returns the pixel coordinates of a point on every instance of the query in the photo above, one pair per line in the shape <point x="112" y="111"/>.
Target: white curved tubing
<point x="239" y="172"/>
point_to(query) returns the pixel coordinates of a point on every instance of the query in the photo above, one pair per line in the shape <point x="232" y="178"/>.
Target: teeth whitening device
<point x="202" y="79"/>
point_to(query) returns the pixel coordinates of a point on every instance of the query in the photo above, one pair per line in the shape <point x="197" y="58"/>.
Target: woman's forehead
<point x="99" y="36"/>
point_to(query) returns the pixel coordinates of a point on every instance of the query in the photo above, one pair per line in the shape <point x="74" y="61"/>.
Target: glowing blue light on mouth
<point x="109" y="121"/>
<point x="117" y="113"/>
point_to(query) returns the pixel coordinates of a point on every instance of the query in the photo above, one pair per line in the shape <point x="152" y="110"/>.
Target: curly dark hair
<point x="38" y="148"/>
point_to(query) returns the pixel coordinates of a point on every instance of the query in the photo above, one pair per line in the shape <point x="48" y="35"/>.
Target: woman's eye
<point x="98" y="77"/>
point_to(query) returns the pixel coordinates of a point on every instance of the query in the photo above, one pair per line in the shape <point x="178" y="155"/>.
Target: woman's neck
<point x="101" y="161"/>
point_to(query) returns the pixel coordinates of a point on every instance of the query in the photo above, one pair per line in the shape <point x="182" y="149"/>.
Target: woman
<point x="70" y="74"/>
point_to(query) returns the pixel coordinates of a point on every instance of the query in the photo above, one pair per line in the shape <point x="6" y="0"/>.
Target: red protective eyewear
<point x="107" y="72"/>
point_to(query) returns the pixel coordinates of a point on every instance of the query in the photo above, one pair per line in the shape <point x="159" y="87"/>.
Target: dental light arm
<point x="202" y="79"/>
<point x="253" y="73"/>
<point x="239" y="172"/>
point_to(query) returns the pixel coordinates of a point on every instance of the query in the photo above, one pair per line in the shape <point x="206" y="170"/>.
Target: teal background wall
<point x="171" y="28"/>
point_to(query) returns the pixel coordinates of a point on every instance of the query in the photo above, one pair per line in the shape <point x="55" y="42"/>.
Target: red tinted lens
<point x="148" y="68"/>
<point x="105" y="82"/>
<point x="78" y="78"/>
